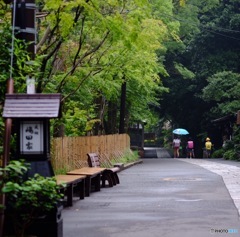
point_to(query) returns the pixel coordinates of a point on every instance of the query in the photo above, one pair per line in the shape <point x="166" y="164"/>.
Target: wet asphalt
<point x="160" y="197"/>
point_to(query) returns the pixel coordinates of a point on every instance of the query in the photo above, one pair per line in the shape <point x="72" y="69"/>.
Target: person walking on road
<point x="176" y="146"/>
<point x="208" y="147"/>
<point x="190" y="148"/>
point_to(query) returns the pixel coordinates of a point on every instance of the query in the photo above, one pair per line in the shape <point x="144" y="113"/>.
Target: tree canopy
<point x="86" y="50"/>
<point x="209" y="49"/>
<point x="169" y="61"/>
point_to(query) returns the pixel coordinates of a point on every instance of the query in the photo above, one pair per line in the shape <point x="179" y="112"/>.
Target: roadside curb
<point x="128" y="165"/>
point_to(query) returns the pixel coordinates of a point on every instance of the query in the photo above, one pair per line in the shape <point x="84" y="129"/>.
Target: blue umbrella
<point x="180" y="131"/>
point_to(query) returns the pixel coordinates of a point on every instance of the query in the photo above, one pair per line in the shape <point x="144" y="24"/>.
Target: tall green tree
<point x="110" y="43"/>
<point x="210" y="44"/>
<point x="180" y="106"/>
<point x="87" y="49"/>
<point x="223" y="88"/>
<point x="215" y="51"/>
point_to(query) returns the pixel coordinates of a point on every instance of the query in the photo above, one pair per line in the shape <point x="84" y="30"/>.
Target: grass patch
<point x="129" y="157"/>
<point x="60" y="171"/>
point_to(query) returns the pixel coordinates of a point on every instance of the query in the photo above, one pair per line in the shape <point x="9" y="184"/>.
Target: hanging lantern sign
<point x="32" y="114"/>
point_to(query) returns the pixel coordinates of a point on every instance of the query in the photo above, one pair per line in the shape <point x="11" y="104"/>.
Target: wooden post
<point x="25" y="21"/>
<point x="6" y="152"/>
<point x="238" y="117"/>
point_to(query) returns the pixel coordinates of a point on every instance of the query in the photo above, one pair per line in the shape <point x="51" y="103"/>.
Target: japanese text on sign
<point x="31" y="137"/>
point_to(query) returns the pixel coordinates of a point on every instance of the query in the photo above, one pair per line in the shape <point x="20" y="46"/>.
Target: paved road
<point x="150" y="152"/>
<point x="159" y="198"/>
<point x="228" y="170"/>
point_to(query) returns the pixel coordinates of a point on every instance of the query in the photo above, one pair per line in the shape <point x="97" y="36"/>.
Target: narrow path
<point x="158" y="198"/>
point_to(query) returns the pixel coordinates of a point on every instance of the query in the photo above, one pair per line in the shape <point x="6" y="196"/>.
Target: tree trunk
<point x="122" y="108"/>
<point x="58" y="130"/>
<point x="98" y="128"/>
<point x="111" y="123"/>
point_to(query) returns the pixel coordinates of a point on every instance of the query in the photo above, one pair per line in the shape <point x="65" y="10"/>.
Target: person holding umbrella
<point x="176" y="141"/>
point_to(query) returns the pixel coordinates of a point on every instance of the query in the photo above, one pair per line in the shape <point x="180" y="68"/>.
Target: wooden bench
<point x="72" y="181"/>
<point x="109" y="174"/>
<point x="93" y="177"/>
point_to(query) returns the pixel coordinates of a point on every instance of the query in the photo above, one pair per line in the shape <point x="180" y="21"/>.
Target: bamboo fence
<point x="71" y="152"/>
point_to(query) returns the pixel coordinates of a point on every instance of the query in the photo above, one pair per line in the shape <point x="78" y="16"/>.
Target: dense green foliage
<point x="223" y="88"/>
<point x="86" y="50"/>
<point x="204" y="69"/>
<point x="27" y="199"/>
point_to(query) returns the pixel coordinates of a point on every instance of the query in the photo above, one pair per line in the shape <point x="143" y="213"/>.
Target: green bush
<point x="229" y="145"/>
<point x="27" y="198"/>
<point x="230" y="155"/>
<point x="218" y="153"/>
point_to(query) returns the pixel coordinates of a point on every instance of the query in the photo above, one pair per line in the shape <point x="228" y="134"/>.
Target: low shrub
<point x="218" y="153"/>
<point x="230" y="155"/>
